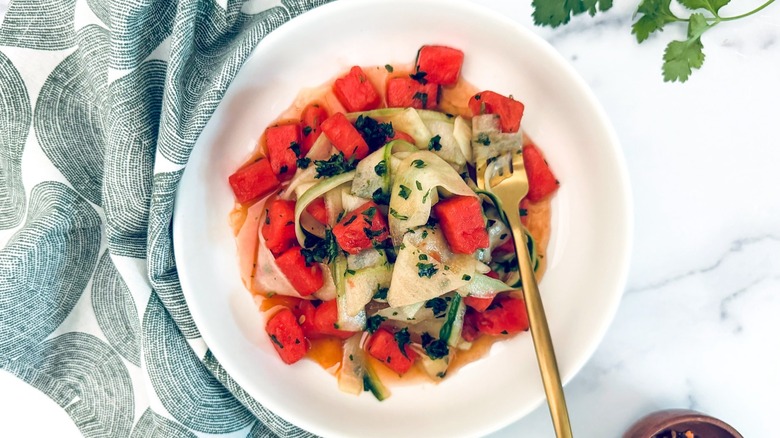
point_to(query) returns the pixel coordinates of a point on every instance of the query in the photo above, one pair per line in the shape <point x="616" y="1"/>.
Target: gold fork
<point x="510" y="184"/>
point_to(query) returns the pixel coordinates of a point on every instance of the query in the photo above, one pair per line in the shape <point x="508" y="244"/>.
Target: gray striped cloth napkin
<point x="101" y="102"/>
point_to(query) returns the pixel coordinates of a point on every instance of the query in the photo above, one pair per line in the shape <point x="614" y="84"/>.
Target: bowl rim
<point x="612" y="145"/>
<point x="659" y="421"/>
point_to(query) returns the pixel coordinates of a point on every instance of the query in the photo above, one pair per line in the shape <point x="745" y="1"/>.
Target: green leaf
<point x="557" y="12"/>
<point x="697" y="25"/>
<point x="593" y="6"/>
<point x="710" y="5"/>
<point x="681" y="57"/>
<point x="655" y="15"/>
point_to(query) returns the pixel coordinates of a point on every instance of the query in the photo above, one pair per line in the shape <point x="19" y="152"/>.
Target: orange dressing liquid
<point x="268" y="303"/>
<point x="327" y="352"/>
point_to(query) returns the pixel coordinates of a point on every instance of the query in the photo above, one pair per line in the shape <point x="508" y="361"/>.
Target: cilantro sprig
<point x="680" y="57"/>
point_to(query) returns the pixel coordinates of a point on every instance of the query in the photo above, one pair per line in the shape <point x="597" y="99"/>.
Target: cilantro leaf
<point x="483" y="139"/>
<point x="434" y="348"/>
<point x="422" y="97"/>
<point x="404" y="192"/>
<point x="320" y="250"/>
<point x="380" y="197"/>
<point x="335" y="165"/>
<point x="403" y="339"/>
<point x="426" y="269"/>
<point x="655" y="15"/>
<point x="381" y="293"/>
<point x="438" y="305"/>
<point x="681" y="57"/>
<point x="435" y="143"/>
<point x="372" y="323"/>
<point x="419" y="77"/>
<point x="710" y="5"/>
<point x="399" y="216"/>
<point x="381" y="168"/>
<point x="374" y="133"/>
<point x="557" y="12"/>
<point x="296" y="148"/>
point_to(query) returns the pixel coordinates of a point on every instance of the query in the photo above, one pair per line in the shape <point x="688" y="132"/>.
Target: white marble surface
<point x="698" y="326"/>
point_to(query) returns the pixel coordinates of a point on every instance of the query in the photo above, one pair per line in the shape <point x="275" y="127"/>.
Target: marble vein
<point x="736" y="247"/>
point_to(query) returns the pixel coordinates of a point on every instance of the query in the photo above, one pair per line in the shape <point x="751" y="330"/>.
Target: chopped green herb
<point x="267" y="217"/>
<point x="295" y="147"/>
<point x="350" y="220"/>
<point x="435" y="143"/>
<point x="441" y="374"/>
<point x="369" y="213"/>
<point x="418" y="185"/>
<point x="434" y="348"/>
<point x="381" y="293"/>
<point x="491" y="222"/>
<point x="425" y="234"/>
<point x="320" y="250"/>
<point x="307" y="130"/>
<point x="419" y="77"/>
<point x="381" y="168"/>
<point x="422" y="97"/>
<point x="372" y="233"/>
<point x="402" y="338"/>
<point x="398" y="216"/>
<point x="275" y="340"/>
<point x="418" y="164"/>
<point x="466" y="277"/>
<point x="523" y="212"/>
<point x="425" y="196"/>
<point x="423" y="257"/>
<point x="336" y="325"/>
<point x="438" y="305"/>
<point x="350" y="272"/>
<point x="426" y="269"/>
<point x="380" y="197"/>
<point x="335" y="165"/>
<point x="303" y="163"/>
<point x="502" y="236"/>
<point x="351" y="358"/>
<point x="372" y="323"/>
<point x="389" y="68"/>
<point x="483" y="139"/>
<point x="374" y="133"/>
<point x="404" y="192"/>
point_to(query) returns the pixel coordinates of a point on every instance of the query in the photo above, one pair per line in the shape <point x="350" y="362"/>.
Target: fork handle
<point x="540" y="332"/>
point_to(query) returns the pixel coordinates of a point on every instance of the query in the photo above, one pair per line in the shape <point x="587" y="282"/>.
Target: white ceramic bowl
<point x="588" y="252"/>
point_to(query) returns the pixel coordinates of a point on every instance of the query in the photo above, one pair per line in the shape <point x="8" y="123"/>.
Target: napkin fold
<point x="101" y="103"/>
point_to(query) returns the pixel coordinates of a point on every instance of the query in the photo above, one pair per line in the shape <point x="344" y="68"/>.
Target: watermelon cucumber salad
<point x="358" y="222"/>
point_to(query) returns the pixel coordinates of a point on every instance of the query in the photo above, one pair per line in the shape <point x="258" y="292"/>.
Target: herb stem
<point x="747" y="14"/>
